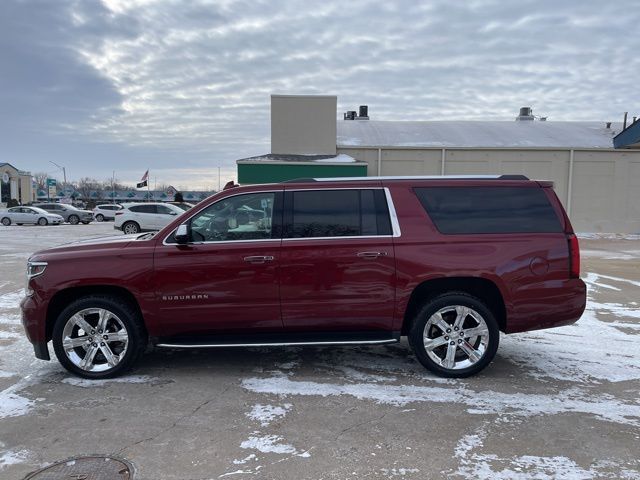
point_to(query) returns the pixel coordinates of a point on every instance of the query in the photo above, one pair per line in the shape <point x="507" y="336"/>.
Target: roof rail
<point x="411" y="177"/>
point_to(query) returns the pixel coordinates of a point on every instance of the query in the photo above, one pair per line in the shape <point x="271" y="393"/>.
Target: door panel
<point x="326" y="285"/>
<point x="210" y="288"/>
<point x="226" y="280"/>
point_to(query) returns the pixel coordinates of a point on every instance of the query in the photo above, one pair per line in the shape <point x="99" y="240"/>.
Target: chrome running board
<point x="277" y="344"/>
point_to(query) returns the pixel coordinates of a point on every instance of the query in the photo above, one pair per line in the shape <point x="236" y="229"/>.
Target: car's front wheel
<point x="130" y="228"/>
<point x="455" y="335"/>
<point x="42" y="221"/>
<point x="6" y="221"/>
<point x="74" y="219"/>
<point x="99" y="336"/>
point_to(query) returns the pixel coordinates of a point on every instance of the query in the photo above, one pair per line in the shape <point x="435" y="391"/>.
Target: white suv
<point x="106" y="212"/>
<point x="145" y="217"/>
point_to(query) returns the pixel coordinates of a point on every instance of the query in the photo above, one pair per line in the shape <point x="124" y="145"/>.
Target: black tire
<point x="444" y="303"/>
<point x="42" y="221"/>
<point x="128" y="317"/>
<point x="86" y="223"/>
<point x="99" y="218"/>
<point x="73" y="219"/>
<point x="6" y="221"/>
<point x="130" y="228"/>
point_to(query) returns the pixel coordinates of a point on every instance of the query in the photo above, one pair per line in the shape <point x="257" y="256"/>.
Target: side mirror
<point x="173" y="213"/>
<point x="182" y="234"/>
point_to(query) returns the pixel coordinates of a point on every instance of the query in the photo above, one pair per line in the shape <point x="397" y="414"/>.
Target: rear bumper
<point x="34" y="318"/>
<point x="556" y="305"/>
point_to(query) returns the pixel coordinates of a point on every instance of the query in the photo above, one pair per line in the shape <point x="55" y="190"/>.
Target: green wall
<point x="249" y="173"/>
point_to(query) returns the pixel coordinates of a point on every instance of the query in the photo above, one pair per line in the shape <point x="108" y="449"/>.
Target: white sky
<point x="183" y="87"/>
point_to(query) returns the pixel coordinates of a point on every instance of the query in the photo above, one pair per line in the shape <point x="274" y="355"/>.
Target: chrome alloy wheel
<point x="95" y="340"/>
<point x="456" y="337"/>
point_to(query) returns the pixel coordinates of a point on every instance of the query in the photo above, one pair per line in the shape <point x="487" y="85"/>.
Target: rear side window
<point x="143" y="209"/>
<point x="489" y="209"/>
<point x="336" y="213"/>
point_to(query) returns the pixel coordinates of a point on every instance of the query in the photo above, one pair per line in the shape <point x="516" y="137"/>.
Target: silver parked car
<point x="70" y="213"/>
<point x="34" y="215"/>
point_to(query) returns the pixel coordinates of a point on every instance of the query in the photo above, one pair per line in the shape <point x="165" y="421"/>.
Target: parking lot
<point x="561" y="403"/>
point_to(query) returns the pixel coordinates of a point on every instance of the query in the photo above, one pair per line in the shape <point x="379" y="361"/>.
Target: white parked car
<point x="34" y="215"/>
<point x="145" y="217"/>
<point x="106" y="211"/>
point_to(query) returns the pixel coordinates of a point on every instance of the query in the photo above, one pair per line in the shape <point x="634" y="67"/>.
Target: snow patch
<point x="13" y="457"/>
<point x="398" y="472"/>
<point x="85" y="383"/>
<point x="12" y="404"/>
<point x="342" y="158"/>
<point x="487" y="402"/>
<point x="268" y="444"/>
<point x="482" y="466"/>
<point x="265" y="414"/>
<point x="11" y="300"/>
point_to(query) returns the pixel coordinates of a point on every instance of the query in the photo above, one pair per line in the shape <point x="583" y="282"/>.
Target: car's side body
<point x="70" y="213"/>
<point x="365" y="286"/>
<point x="29" y="215"/>
<point x="145" y="217"/>
<point x="106" y="211"/>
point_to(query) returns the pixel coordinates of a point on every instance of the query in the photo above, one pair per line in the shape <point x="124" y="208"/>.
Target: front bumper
<point x="34" y="317"/>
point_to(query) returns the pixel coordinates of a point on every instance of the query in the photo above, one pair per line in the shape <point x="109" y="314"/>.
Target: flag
<point x="144" y="180"/>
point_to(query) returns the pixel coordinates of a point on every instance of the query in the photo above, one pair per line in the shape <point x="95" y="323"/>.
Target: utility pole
<point x="113" y="187"/>
<point x="64" y="171"/>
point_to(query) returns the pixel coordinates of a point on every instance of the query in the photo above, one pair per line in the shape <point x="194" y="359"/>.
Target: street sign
<point x="51" y="187"/>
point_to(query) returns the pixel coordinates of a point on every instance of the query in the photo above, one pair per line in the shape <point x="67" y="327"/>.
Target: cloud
<point x="187" y="84"/>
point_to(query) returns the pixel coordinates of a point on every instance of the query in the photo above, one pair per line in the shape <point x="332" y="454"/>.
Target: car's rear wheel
<point x="99" y="336"/>
<point x="73" y="219"/>
<point x="42" y="221"/>
<point x="130" y="228"/>
<point x="99" y="218"/>
<point x="455" y="335"/>
<point x="6" y="221"/>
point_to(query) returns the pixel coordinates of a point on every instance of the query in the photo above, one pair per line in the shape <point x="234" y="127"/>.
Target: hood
<point x="98" y="243"/>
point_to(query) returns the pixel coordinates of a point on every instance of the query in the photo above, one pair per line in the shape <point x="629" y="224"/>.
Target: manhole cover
<point x="85" y="468"/>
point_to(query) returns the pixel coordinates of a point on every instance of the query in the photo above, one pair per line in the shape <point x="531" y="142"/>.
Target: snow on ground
<point x="265" y="414"/>
<point x="566" y="369"/>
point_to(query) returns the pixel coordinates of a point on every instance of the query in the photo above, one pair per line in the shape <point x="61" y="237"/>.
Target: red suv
<point x="447" y="261"/>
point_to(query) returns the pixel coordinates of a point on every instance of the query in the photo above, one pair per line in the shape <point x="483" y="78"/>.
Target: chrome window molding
<point x="395" y="224"/>
<point x="393" y="217"/>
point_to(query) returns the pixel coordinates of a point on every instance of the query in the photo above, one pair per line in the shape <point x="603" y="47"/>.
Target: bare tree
<point x="87" y="185"/>
<point x="41" y="180"/>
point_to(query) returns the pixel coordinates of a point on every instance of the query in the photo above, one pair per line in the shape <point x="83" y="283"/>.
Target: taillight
<point x="574" y="256"/>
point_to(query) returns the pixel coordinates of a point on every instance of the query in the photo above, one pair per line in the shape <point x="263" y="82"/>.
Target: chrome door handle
<point x="371" y="254"/>
<point x="258" y="259"/>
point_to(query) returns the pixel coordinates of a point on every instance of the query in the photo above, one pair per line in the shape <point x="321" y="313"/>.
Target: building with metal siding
<point x="598" y="184"/>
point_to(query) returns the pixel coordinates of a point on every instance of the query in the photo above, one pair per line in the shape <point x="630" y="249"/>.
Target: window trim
<point x="393" y="216"/>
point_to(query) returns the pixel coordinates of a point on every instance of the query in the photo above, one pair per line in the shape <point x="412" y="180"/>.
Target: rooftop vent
<point x="525" y="114"/>
<point x="361" y="114"/>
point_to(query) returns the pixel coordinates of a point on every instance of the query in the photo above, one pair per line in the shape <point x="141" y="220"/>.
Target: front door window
<point x="241" y="217"/>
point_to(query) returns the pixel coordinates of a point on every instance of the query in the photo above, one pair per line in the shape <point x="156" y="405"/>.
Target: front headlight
<point x="34" y="269"/>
